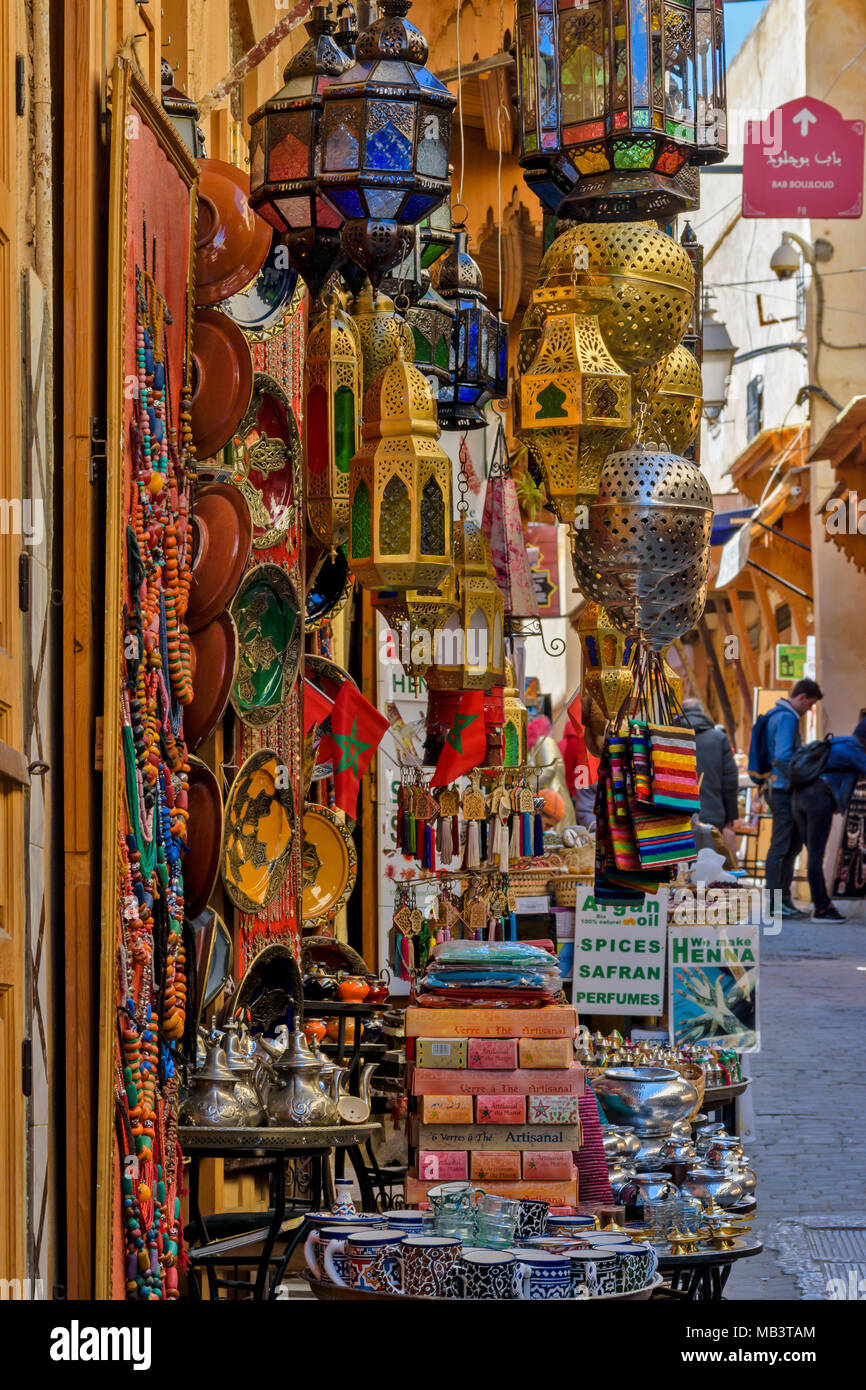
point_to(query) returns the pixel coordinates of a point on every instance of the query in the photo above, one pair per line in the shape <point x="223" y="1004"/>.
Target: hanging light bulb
<point x="285" y="156"/>
<point x="386" y="133"/>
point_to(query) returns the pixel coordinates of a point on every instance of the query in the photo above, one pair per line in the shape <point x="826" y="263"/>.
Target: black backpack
<point x="806" y="763"/>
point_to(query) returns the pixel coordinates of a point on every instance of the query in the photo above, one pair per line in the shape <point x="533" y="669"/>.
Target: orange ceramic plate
<point x="259" y="829"/>
<point x="330" y="862"/>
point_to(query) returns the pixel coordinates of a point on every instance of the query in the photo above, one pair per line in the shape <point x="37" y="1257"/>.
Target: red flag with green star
<point x="357" y="728"/>
<point x="466" y="745"/>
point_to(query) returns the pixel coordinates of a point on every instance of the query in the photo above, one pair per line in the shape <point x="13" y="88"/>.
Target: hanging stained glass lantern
<point x="437" y="234"/>
<point x="381" y="331"/>
<point x="400" y="487"/>
<point x="386" y="133"/>
<point x="575" y="401"/>
<point x="516" y="720"/>
<point x="332" y="394"/>
<point x="432" y="322"/>
<point x="606" y="650"/>
<point x="478" y="360"/>
<point x="285" y="156"/>
<point x="469" y="651"/>
<point x="615" y="97"/>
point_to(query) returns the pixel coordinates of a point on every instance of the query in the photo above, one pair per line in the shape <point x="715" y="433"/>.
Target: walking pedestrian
<point x="815" y="805"/>
<point x="717" y="771"/>
<point x="783" y="736"/>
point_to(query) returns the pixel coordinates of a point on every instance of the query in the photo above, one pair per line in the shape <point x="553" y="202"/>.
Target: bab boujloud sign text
<point x="619" y="956"/>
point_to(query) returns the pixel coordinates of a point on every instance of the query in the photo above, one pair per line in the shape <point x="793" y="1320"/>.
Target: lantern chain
<point x="463" y="480"/>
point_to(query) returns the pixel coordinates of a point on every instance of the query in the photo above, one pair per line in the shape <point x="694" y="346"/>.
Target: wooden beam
<point x="498" y="60"/>
<point x="718" y="680"/>
<point x="251" y="59"/>
<point x="747" y="652"/>
<point x="726" y="626"/>
<point x="497" y="110"/>
<point x="689" y="669"/>
<point x="768" y="616"/>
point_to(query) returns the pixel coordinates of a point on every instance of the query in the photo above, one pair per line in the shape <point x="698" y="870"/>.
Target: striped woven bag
<point x="674" y="767"/>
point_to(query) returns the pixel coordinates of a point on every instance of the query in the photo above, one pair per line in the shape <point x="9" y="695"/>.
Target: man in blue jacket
<point x="783" y="736"/>
<point x="815" y="805"/>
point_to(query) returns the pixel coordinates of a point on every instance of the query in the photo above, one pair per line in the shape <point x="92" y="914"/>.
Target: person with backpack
<point x="718" y="776"/>
<point x="775" y="738"/>
<point x="815" y="804"/>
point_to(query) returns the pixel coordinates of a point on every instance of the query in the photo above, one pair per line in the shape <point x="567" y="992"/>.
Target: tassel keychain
<point x="448" y="825"/>
<point x="427" y="816"/>
<point x="515" y="847"/>
<point x="538" y="828"/>
<point x="473" y="813"/>
<point x="476" y="916"/>
<point x="502" y="830"/>
<point x="526" y="809"/>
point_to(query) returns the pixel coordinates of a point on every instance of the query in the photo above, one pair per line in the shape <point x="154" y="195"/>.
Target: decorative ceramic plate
<point x="270" y="991"/>
<point x="214" y="657"/>
<point x="329" y="587"/>
<point x="327" y="675"/>
<point x="267" y="612"/>
<point x="222" y="531"/>
<point x="232" y="241"/>
<point x="222" y="372"/>
<point x="267" y="462"/>
<point x="204" y="837"/>
<point x="259" y="826"/>
<point x="262" y="306"/>
<point x="330" y="863"/>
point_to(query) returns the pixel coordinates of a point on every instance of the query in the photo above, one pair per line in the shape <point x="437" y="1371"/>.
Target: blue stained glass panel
<point x="389" y="149"/>
<point x="639" y="56"/>
<point x="472" y="361"/>
<point x="641" y="118"/>
<point x="417" y="207"/>
<point x="468" y="394"/>
<point x="347" y="200"/>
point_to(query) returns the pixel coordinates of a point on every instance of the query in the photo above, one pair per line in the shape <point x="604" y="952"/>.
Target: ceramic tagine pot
<point x="297" y="1097"/>
<point x="352" y="989"/>
<point x="210" y="1099"/>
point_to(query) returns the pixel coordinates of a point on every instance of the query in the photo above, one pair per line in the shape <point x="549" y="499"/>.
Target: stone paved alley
<point x="809" y="1099"/>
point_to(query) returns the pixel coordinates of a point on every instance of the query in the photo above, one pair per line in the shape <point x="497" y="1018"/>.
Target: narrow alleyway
<point x="809" y="1099"/>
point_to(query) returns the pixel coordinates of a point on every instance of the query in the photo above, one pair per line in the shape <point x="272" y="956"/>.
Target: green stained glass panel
<point x="442" y="352"/>
<point x="344" y="428"/>
<point x="432" y="519"/>
<point x="361" y="521"/>
<point x="395" y="530"/>
<point x="422" y="346"/>
<point x="511" y="756"/>
<point x="632" y="154"/>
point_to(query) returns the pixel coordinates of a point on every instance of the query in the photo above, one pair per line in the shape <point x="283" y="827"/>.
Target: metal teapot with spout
<point x="210" y="1098"/>
<point x="297" y="1096"/>
<point x="242" y="1063"/>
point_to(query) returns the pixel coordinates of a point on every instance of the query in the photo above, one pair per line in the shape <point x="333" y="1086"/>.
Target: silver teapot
<point x="677" y="1151"/>
<point x="332" y="1078"/>
<point x="296" y="1095"/>
<point x="713" y="1185"/>
<point x="240" y="1059"/>
<point x="649" y="1187"/>
<point x="210" y="1098"/>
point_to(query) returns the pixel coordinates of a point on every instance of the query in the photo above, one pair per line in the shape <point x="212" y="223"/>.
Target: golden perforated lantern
<point x="606" y="649"/>
<point x="332" y="394"/>
<point x="674" y="414"/>
<point x="652" y="282"/>
<point x="381" y="331"/>
<point x="515" y="722"/>
<point x="575" y="401"/>
<point x="417" y="616"/>
<point x="674" y="680"/>
<point x="400" y="533"/>
<point x="469" y="651"/>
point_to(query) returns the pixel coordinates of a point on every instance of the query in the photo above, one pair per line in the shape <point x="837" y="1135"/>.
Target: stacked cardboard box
<point x="494" y="1098"/>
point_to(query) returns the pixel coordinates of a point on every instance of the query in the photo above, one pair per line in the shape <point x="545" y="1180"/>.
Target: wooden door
<point x="12" y="767"/>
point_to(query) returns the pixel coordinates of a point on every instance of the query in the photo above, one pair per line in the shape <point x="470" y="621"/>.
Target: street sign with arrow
<point x="803" y="160"/>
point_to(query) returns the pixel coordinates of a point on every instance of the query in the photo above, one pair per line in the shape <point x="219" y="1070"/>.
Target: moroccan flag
<point x="317" y="706"/>
<point x="583" y="757"/>
<point x="466" y="745"/>
<point x="357" y="729"/>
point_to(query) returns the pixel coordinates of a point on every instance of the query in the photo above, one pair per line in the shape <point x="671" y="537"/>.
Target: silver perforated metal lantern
<point x="677" y="620"/>
<point x="652" y="517"/>
<point x="673" y="589"/>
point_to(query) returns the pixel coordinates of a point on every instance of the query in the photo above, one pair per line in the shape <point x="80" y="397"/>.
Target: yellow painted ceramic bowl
<point x="259" y="827"/>
<point x="330" y="862"/>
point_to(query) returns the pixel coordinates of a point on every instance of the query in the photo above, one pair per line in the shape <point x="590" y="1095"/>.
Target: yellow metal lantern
<point x="416" y="618"/>
<point x="515" y="722"/>
<point x="575" y="401"/>
<point x="652" y="282"/>
<point x="674" y="680"/>
<point x="469" y="651"/>
<point x="674" y="414"/>
<point x="606" y="649"/>
<point x="381" y="330"/>
<point x="400" y="533"/>
<point x="332" y="393"/>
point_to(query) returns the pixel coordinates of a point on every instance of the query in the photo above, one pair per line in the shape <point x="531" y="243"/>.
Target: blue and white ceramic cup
<point x="372" y="1263"/>
<point x="570" y="1225"/>
<point x="488" y="1274"/>
<point x="546" y="1274"/>
<point x="411" y="1221"/>
<point x="604" y="1260"/>
<point x="584" y="1272"/>
<point x="635" y="1266"/>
